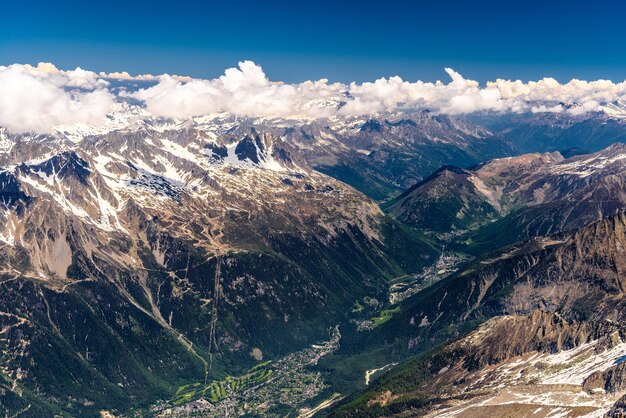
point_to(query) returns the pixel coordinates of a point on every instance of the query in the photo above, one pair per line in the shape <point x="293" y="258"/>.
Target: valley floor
<point x="285" y="385"/>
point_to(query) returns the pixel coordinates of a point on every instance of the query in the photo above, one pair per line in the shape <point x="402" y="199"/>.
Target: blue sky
<point x="342" y="41"/>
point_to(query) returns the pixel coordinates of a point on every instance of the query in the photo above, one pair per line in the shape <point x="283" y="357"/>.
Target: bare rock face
<point x="515" y="335"/>
<point x="611" y="380"/>
<point x="618" y="410"/>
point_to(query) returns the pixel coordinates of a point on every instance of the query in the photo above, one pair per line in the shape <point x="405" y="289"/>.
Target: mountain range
<point x="161" y="266"/>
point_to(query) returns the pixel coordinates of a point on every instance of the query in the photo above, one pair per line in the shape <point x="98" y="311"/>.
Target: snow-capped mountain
<point x="206" y="240"/>
<point x="615" y="110"/>
<point x="219" y="236"/>
<point x="379" y="155"/>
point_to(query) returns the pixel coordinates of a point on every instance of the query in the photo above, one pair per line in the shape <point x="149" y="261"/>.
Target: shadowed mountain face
<point x="511" y="199"/>
<point x="554" y="296"/>
<point x="587" y="267"/>
<point x="447" y="200"/>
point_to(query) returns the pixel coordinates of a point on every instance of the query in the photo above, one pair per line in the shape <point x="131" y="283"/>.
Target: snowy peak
<point x="253" y="150"/>
<point x="249" y="149"/>
<point x="607" y="161"/>
<point x="616" y="110"/>
<point x="66" y="164"/>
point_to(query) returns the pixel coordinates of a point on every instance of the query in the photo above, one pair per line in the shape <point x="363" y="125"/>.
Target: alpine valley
<point x="406" y="263"/>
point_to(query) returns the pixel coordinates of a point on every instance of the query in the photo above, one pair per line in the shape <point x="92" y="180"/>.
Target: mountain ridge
<point x="513" y="295"/>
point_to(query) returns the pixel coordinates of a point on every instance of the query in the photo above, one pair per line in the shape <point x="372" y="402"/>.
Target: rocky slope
<point x="557" y="307"/>
<point x="536" y="365"/>
<point x="143" y="258"/>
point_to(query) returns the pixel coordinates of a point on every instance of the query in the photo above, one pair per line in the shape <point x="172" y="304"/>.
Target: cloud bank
<point x="38" y="98"/>
<point x="247" y="91"/>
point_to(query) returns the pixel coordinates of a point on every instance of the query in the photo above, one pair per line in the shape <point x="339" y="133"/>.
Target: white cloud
<point x="242" y="91"/>
<point x="247" y="91"/>
<point x="38" y="98"/>
<point x="121" y="75"/>
<point x="124" y="75"/>
<point x="71" y="78"/>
